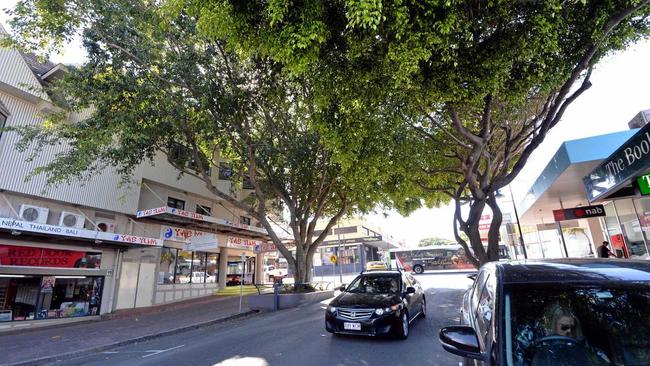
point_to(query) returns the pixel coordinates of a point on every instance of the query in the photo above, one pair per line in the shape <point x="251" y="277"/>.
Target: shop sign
<point x="196" y="216"/>
<point x="627" y="161"/>
<point x="180" y="233"/>
<point x="484" y="226"/>
<point x="265" y="247"/>
<point x="6" y="315"/>
<point x="644" y="184"/>
<point x="201" y="243"/>
<point x="12" y="224"/>
<point x="579" y="213"/>
<point x="241" y="243"/>
<point x="13" y="255"/>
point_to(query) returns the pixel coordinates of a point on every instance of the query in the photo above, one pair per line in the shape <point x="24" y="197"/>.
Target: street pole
<point x="521" y="236"/>
<point x="338" y="225"/>
<point x="241" y="281"/>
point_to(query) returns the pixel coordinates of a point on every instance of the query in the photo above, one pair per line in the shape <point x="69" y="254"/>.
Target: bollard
<point x="276" y="296"/>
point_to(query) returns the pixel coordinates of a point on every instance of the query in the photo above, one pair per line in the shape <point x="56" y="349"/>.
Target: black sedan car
<point x="377" y="303"/>
<point x="561" y="312"/>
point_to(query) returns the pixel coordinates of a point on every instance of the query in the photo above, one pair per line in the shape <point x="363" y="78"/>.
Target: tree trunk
<point x="479" y="255"/>
<point x="301" y="271"/>
<point x="495" y="226"/>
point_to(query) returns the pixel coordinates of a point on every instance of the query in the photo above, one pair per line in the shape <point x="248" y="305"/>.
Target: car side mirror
<point x="410" y="290"/>
<point x="461" y="341"/>
<point x="343" y="287"/>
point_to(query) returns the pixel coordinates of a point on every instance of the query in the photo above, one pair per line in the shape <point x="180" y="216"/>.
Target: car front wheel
<point x="403" y="330"/>
<point x="423" y="313"/>
<point x="418" y="269"/>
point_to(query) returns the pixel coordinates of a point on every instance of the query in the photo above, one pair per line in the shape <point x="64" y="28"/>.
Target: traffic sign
<point x="333" y="258"/>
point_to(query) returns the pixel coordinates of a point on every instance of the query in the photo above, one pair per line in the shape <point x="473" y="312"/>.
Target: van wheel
<point x="403" y="330"/>
<point x="418" y="269"/>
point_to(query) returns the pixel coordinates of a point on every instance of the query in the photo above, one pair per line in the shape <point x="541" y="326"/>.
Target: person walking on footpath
<point x="604" y="252"/>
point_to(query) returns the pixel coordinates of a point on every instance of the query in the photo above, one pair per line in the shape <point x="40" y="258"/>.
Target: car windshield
<point x="375" y="285"/>
<point x="601" y="325"/>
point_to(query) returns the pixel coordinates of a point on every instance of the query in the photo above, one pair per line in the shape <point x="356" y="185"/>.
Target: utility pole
<point x="521" y="236"/>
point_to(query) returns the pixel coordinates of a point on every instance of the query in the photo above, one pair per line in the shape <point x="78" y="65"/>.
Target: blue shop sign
<point x="628" y="161"/>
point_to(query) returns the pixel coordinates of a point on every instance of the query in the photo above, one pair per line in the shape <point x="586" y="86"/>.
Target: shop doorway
<point x="136" y="285"/>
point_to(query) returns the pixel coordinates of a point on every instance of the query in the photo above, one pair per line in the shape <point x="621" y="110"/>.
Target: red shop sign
<point x="12" y="255"/>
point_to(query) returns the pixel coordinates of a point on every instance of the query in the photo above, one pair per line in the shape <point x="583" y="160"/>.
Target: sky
<point x="619" y="91"/>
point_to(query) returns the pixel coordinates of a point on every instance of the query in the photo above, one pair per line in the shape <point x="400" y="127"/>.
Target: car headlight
<point x="379" y="312"/>
<point x="331" y="309"/>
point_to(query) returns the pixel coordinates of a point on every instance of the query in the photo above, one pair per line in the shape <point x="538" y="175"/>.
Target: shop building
<point x="84" y="249"/>
<point x="583" y="175"/>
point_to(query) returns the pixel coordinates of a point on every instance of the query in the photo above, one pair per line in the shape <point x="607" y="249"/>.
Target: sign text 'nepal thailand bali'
<point x="13" y="224"/>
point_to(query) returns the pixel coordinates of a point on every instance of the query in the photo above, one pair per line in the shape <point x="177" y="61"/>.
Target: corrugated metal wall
<point x="15" y="72"/>
<point x="101" y="191"/>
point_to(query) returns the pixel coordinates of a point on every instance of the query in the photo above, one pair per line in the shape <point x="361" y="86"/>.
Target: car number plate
<point x="352" y="326"/>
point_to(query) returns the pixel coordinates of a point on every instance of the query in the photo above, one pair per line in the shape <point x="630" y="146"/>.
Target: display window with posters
<point x="43" y="296"/>
<point x="30" y="297"/>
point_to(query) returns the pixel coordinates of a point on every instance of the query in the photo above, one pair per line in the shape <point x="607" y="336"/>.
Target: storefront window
<point x="180" y="266"/>
<point x="212" y="268"/>
<point x="25" y="297"/>
<point x="634" y="246"/>
<point x="643" y="211"/>
<point x="198" y="268"/>
<point x="183" y="267"/>
<point x="611" y="222"/>
<point x="167" y="265"/>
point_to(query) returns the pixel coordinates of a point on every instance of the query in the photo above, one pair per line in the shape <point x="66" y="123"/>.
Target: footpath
<point x="37" y="346"/>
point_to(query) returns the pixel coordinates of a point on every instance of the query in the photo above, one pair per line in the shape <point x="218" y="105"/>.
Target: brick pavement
<point x="122" y="327"/>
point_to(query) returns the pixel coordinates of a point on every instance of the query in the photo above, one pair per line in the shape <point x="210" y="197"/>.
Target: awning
<point x="178" y="216"/>
<point x="13" y="225"/>
<point x="560" y="183"/>
<point x="374" y="241"/>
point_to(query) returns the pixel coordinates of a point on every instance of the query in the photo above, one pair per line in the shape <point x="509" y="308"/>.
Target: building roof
<point x="575" y="271"/>
<point x="38" y="67"/>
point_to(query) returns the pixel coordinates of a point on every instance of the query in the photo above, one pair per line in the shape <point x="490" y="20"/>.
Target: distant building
<point x="355" y="242"/>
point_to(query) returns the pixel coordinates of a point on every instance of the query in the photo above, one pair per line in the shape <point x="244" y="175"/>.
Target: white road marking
<point x="156" y="352"/>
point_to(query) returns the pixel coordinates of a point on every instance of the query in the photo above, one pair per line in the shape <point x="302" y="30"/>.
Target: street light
<point x="514" y="206"/>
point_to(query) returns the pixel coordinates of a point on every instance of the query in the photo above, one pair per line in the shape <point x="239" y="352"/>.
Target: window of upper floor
<point x="225" y="171"/>
<point x="244" y="220"/>
<point x="181" y="155"/>
<point x="203" y="210"/>
<point x="175" y="203"/>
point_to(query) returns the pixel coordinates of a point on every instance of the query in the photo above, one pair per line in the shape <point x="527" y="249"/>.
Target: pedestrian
<point x="604" y="252"/>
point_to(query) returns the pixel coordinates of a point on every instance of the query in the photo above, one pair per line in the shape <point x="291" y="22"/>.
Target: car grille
<point x="355" y="314"/>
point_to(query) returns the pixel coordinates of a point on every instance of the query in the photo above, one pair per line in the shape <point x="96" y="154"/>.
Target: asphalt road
<point x="298" y="337"/>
